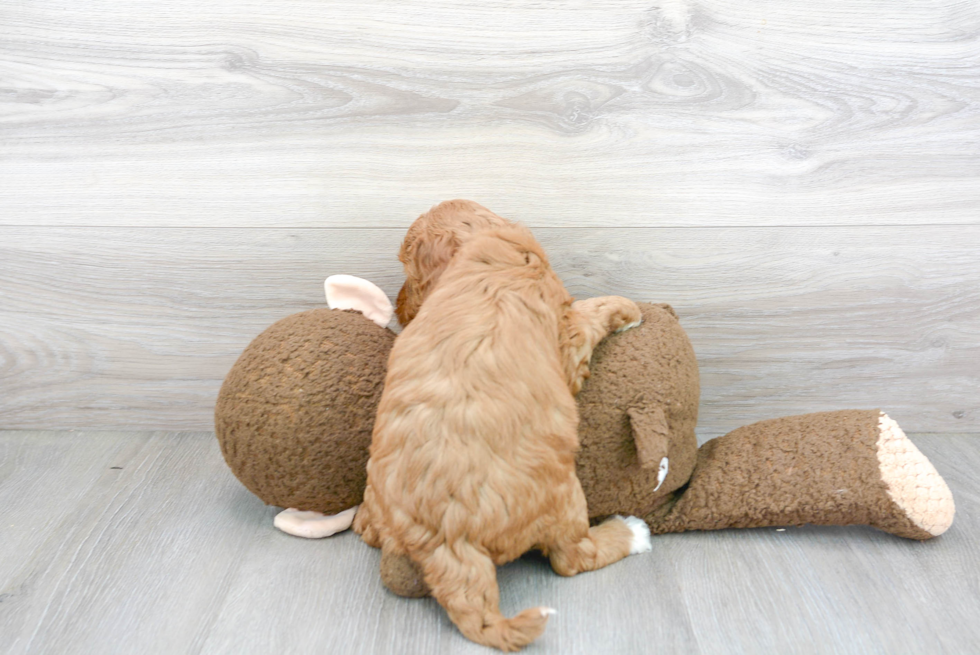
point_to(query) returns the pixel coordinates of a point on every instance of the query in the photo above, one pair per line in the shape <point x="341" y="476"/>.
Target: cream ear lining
<point x="350" y="292"/>
<point x="313" y="525"/>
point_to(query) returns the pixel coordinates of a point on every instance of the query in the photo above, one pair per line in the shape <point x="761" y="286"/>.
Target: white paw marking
<point x="662" y="473"/>
<point x="629" y="326"/>
<point x="313" y="525"/>
<point x="350" y="292"/>
<point x="548" y="611"/>
<point x="641" y="542"/>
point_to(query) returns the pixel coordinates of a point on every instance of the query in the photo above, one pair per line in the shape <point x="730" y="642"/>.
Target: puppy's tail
<point x="464" y="581"/>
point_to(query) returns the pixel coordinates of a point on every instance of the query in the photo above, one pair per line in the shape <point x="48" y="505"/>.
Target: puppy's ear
<point x="405" y="306"/>
<point x="531" y="258"/>
<point x="433" y="255"/>
<point x="425" y="259"/>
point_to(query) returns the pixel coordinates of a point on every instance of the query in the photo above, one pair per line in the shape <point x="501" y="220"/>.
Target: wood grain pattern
<point x="137" y="328"/>
<point x="169" y="553"/>
<point x="67" y="593"/>
<point x="801" y="181"/>
<point x="621" y="113"/>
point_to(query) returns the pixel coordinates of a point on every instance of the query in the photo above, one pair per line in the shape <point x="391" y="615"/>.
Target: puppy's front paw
<point x="641" y="542"/>
<point x="624" y="314"/>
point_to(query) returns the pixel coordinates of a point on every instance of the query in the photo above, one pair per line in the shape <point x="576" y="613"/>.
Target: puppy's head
<point x="430" y="244"/>
<point x="512" y="246"/>
<point x="508" y="259"/>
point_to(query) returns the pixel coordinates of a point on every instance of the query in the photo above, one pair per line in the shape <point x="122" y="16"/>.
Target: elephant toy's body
<point x="295" y="414"/>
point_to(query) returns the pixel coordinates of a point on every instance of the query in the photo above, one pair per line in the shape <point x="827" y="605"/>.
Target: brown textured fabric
<point x="649" y="373"/>
<point x="820" y="468"/>
<point x="295" y="413"/>
<point x="815" y="468"/>
<point x="651" y="434"/>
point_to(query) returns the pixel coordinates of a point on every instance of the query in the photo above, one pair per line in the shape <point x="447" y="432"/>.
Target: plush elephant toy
<point x="295" y="414"/>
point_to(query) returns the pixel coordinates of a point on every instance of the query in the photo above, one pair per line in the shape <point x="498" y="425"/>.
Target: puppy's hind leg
<point x="586" y="323"/>
<point x="464" y="581"/>
<point x="575" y="547"/>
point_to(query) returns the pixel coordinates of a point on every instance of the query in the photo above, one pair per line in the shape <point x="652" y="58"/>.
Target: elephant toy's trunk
<point x="830" y="468"/>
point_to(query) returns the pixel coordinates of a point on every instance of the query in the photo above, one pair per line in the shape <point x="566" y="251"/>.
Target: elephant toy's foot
<point x="912" y="482"/>
<point x="313" y="525"/>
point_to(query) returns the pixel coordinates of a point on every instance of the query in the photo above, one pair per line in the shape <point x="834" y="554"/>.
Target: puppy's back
<point x="477" y="374"/>
<point x="494" y="315"/>
<point x="475" y="435"/>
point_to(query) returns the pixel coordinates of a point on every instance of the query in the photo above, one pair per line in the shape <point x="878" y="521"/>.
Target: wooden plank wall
<point x="800" y="180"/>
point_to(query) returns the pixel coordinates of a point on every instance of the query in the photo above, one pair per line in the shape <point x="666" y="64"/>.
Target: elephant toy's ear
<point x="349" y="292"/>
<point x="650" y="434"/>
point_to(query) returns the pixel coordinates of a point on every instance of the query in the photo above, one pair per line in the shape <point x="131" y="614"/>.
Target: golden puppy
<point x="473" y="452"/>
<point x="432" y="240"/>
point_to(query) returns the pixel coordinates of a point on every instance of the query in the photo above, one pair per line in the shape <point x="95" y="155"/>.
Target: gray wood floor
<point x="122" y="542"/>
